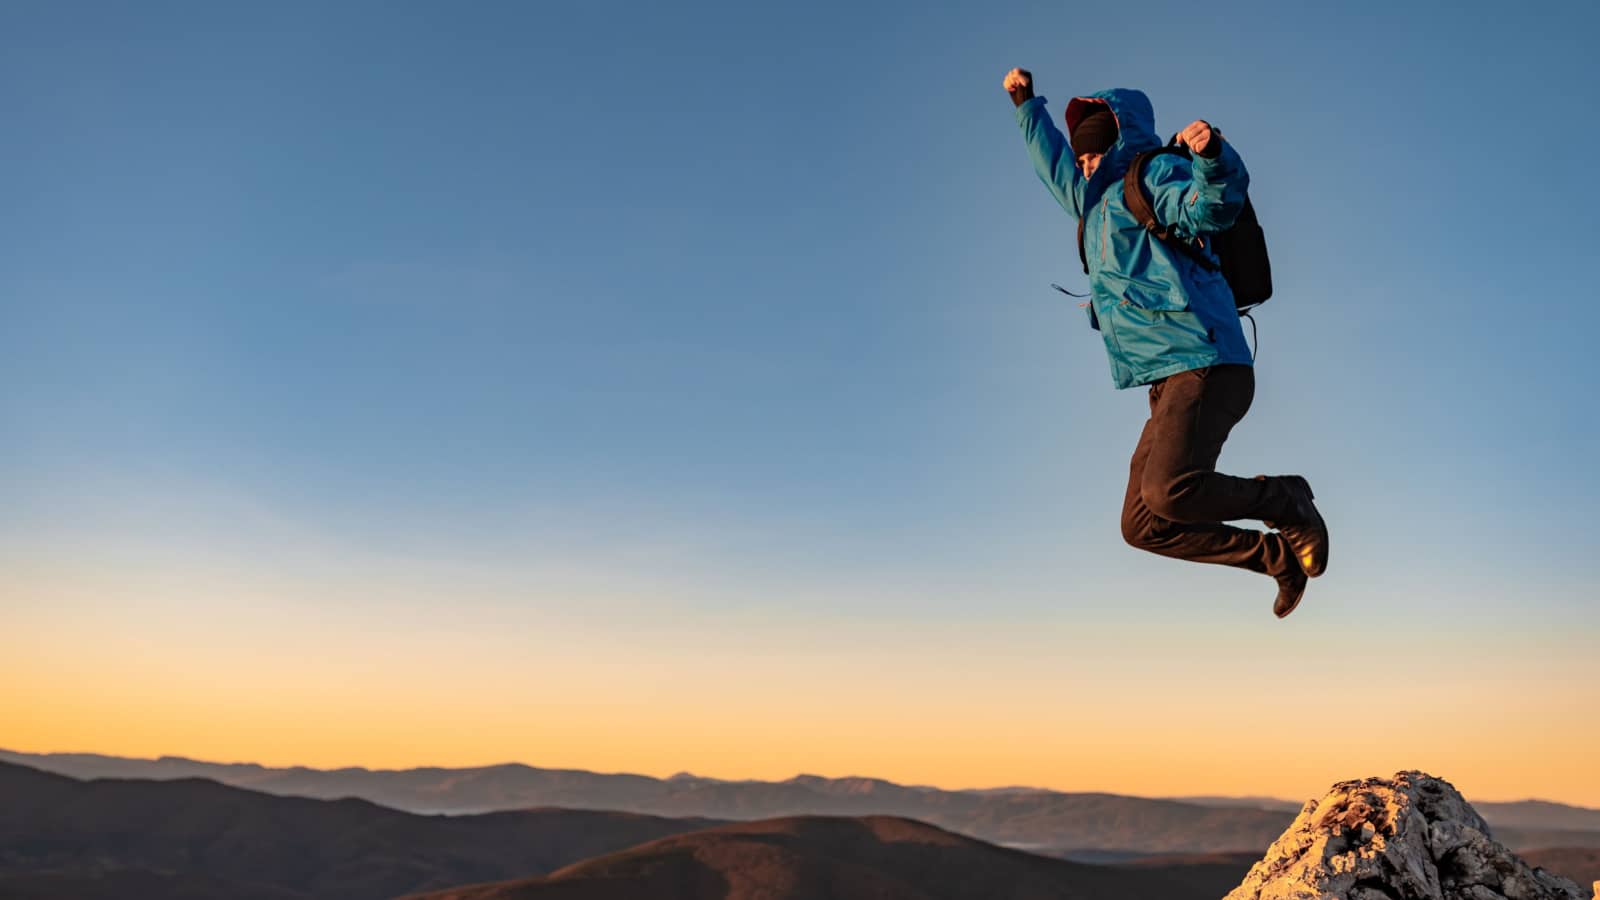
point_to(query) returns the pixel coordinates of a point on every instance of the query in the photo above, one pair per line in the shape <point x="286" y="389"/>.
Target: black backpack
<point x="1242" y="248"/>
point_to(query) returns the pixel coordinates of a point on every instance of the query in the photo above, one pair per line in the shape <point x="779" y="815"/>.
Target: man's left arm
<point x="1207" y="195"/>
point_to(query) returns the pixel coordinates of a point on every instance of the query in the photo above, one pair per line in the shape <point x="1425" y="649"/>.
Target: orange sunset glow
<point x="275" y="675"/>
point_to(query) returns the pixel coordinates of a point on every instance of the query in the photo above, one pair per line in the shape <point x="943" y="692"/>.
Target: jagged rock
<point x="1410" y="837"/>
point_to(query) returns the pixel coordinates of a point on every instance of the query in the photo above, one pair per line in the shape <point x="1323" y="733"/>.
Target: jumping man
<point x="1171" y="323"/>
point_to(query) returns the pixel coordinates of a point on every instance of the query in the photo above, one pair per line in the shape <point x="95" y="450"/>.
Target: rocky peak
<point x="1410" y="837"/>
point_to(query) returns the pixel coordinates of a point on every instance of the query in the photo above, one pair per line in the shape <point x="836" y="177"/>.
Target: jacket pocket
<point x="1152" y="297"/>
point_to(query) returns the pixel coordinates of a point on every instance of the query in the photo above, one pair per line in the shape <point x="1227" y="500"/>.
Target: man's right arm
<point x="1047" y="146"/>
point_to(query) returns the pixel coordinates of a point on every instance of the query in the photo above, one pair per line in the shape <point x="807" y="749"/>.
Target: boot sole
<point x="1293" y="606"/>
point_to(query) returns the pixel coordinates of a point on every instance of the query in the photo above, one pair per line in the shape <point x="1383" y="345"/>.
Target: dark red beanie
<point x="1095" y="133"/>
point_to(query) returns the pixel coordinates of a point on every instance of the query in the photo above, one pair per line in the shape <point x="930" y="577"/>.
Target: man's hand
<point x="1019" y="84"/>
<point x="1201" y="139"/>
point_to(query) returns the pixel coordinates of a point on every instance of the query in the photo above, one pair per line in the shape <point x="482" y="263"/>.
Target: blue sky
<point x="745" y="307"/>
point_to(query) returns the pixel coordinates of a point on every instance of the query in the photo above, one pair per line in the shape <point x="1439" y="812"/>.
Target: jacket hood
<point x="1136" y="126"/>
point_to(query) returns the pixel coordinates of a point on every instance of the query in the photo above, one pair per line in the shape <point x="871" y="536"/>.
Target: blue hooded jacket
<point x="1159" y="311"/>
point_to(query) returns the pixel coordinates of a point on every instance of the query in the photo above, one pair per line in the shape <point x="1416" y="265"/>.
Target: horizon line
<point x="686" y="772"/>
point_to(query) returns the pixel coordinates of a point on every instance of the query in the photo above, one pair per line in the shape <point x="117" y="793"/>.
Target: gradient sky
<point x="658" y="387"/>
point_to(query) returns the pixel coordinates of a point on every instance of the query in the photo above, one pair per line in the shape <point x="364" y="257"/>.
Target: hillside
<point x="870" y="858"/>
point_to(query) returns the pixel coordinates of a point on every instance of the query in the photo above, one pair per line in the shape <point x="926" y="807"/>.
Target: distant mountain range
<point x="61" y="837"/>
<point x="1090" y="826"/>
<point x="192" y="839"/>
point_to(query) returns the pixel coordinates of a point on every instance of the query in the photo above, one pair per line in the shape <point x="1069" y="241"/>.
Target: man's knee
<point x="1133" y="531"/>
<point x="1142" y="530"/>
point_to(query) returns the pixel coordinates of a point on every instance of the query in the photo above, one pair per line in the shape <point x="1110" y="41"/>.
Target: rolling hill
<point x="869" y="858"/>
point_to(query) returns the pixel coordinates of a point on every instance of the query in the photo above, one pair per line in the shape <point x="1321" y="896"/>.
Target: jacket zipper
<point x="1105" y="321"/>
<point x="1105" y="227"/>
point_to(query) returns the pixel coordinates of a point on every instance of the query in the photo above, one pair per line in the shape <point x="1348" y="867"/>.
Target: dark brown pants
<point x="1177" y="500"/>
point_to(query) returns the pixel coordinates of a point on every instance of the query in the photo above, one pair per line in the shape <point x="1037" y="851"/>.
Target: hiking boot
<point x="1299" y="522"/>
<point x="1291" y="587"/>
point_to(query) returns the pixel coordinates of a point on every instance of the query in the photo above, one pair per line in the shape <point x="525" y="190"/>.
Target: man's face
<point x="1088" y="162"/>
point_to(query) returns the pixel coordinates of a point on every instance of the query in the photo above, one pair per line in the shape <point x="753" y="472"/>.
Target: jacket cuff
<point x="1225" y="163"/>
<point x="1031" y="106"/>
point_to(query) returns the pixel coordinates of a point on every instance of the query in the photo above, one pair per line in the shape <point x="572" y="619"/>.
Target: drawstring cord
<point x="1255" y="339"/>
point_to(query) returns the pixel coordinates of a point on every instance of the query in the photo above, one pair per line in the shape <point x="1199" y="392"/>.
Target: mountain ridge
<point x="1089" y="825"/>
<point x="1050" y="819"/>
<point x="54" y="761"/>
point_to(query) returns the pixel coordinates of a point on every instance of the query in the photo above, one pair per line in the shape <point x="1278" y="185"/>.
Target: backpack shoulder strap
<point x="1133" y="194"/>
<point x="1137" y="199"/>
